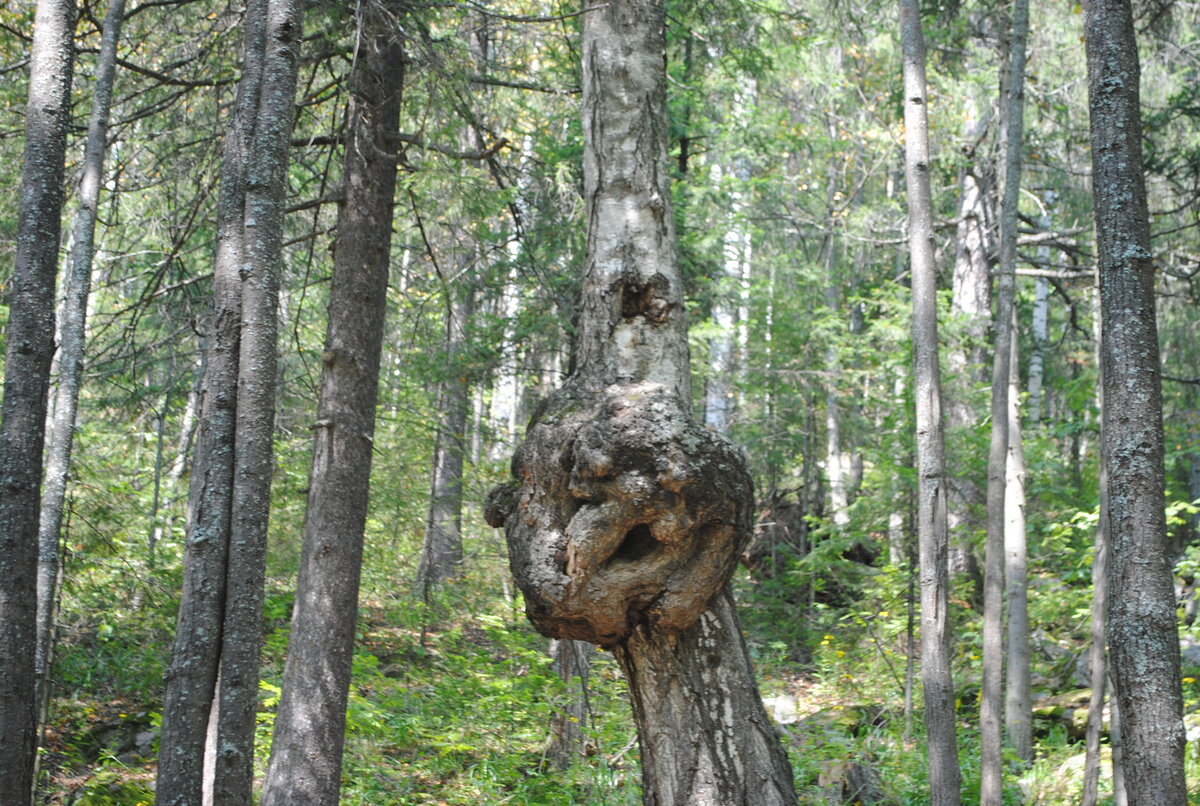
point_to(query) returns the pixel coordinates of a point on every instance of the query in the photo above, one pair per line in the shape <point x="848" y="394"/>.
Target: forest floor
<point x="451" y="703"/>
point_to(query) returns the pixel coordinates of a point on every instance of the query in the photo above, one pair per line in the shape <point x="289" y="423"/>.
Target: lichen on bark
<point x="624" y="511"/>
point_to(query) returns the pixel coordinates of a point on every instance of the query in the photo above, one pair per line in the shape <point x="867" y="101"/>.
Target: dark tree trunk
<point x="626" y="515"/>
<point x="73" y="318"/>
<point x="306" y="753"/>
<point x="1142" y="632"/>
<point x="212" y="682"/>
<point x="30" y="348"/>
<point x="945" y="779"/>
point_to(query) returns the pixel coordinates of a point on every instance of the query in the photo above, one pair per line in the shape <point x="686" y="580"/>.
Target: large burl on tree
<point x="625" y="510"/>
<point x="625" y="517"/>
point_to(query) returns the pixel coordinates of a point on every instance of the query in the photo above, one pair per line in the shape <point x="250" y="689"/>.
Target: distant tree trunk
<point x="626" y="515"/>
<point x="1142" y="633"/>
<point x="306" y="753"/>
<point x="1018" y="696"/>
<point x="991" y="711"/>
<point x="1097" y="653"/>
<point x="1041" y="317"/>
<point x="442" y="550"/>
<point x="571" y="662"/>
<point x="30" y="346"/>
<point x="72" y="319"/>
<point x="945" y="779"/>
<point x="970" y="301"/>
<point x="212" y="681"/>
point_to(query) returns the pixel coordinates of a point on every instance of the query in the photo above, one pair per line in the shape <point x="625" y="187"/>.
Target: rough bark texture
<point x="704" y="734"/>
<point x="260" y="270"/>
<point x="72" y="318"/>
<point x="219" y="630"/>
<point x="30" y="347"/>
<point x="627" y="511"/>
<point x="306" y="753"/>
<point x="626" y="516"/>
<point x="1142" y="631"/>
<point x="945" y="779"/>
<point x="192" y="673"/>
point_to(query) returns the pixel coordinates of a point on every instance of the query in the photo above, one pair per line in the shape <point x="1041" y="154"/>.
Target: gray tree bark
<point x="442" y="549"/>
<point x="1018" y="694"/>
<point x="306" y="752"/>
<point x="30" y="348"/>
<point x="572" y="662"/>
<point x="991" y="711"/>
<point x="1142" y="632"/>
<point x="212" y="681"/>
<point x="626" y="515"/>
<point x="72" y="319"/>
<point x="945" y="779"/>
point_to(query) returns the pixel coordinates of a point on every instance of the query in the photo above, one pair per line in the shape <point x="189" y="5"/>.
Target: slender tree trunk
<point x="572" y="661"/>
<point x="442" y="550"/>
<point x="212" y="682"/>
<point x="992" y="695"/>
<point x="971" y="302"/>
<point x="306" y="754"/>
<point x="945" y="779"/>
<point x="72" y="320"/>
<point x="1097" y="654"/>
<point x="30" y="348"/>
<point x="1018" y="696"/>
<point x="1142" y="632"/>
<point x="626" y="515"/>
<point x="1041" y="318"/>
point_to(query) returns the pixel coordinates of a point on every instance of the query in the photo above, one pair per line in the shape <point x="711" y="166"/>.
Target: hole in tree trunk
<point x="637" y="545"/>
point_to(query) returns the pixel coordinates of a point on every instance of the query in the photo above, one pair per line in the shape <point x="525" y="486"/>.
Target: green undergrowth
<point x="451" y="700"/>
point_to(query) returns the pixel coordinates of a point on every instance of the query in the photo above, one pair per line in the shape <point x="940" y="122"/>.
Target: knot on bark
<point x="624" y="510"/>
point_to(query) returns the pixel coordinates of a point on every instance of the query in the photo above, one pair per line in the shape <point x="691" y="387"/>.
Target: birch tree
<point x="945" y="779"/>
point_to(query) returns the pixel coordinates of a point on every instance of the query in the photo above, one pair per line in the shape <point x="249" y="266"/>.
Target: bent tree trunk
<point x="1143" y="636"/>
<point x="626" y="516"/>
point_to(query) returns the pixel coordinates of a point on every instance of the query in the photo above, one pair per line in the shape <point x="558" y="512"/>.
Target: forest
<point x="739" y="403"/>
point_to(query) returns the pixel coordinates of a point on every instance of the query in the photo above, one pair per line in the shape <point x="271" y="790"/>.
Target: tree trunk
<point x="626" y="516"/>
<point x="991" y="711"/>
<point x="970" y="302"/>
<point x="945" y="779"/>
<point x="72" y="320"/>
<point x="30" y="348"/>
<point x="1097" y="653"/>
<point x="219" y="631"/>
<point x="1142" y="633"/>
<point x="442" y="550"/>
<point x="306" y="753"/>
<point x="571" y="662"/>
<point x="1018" y="696"/>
